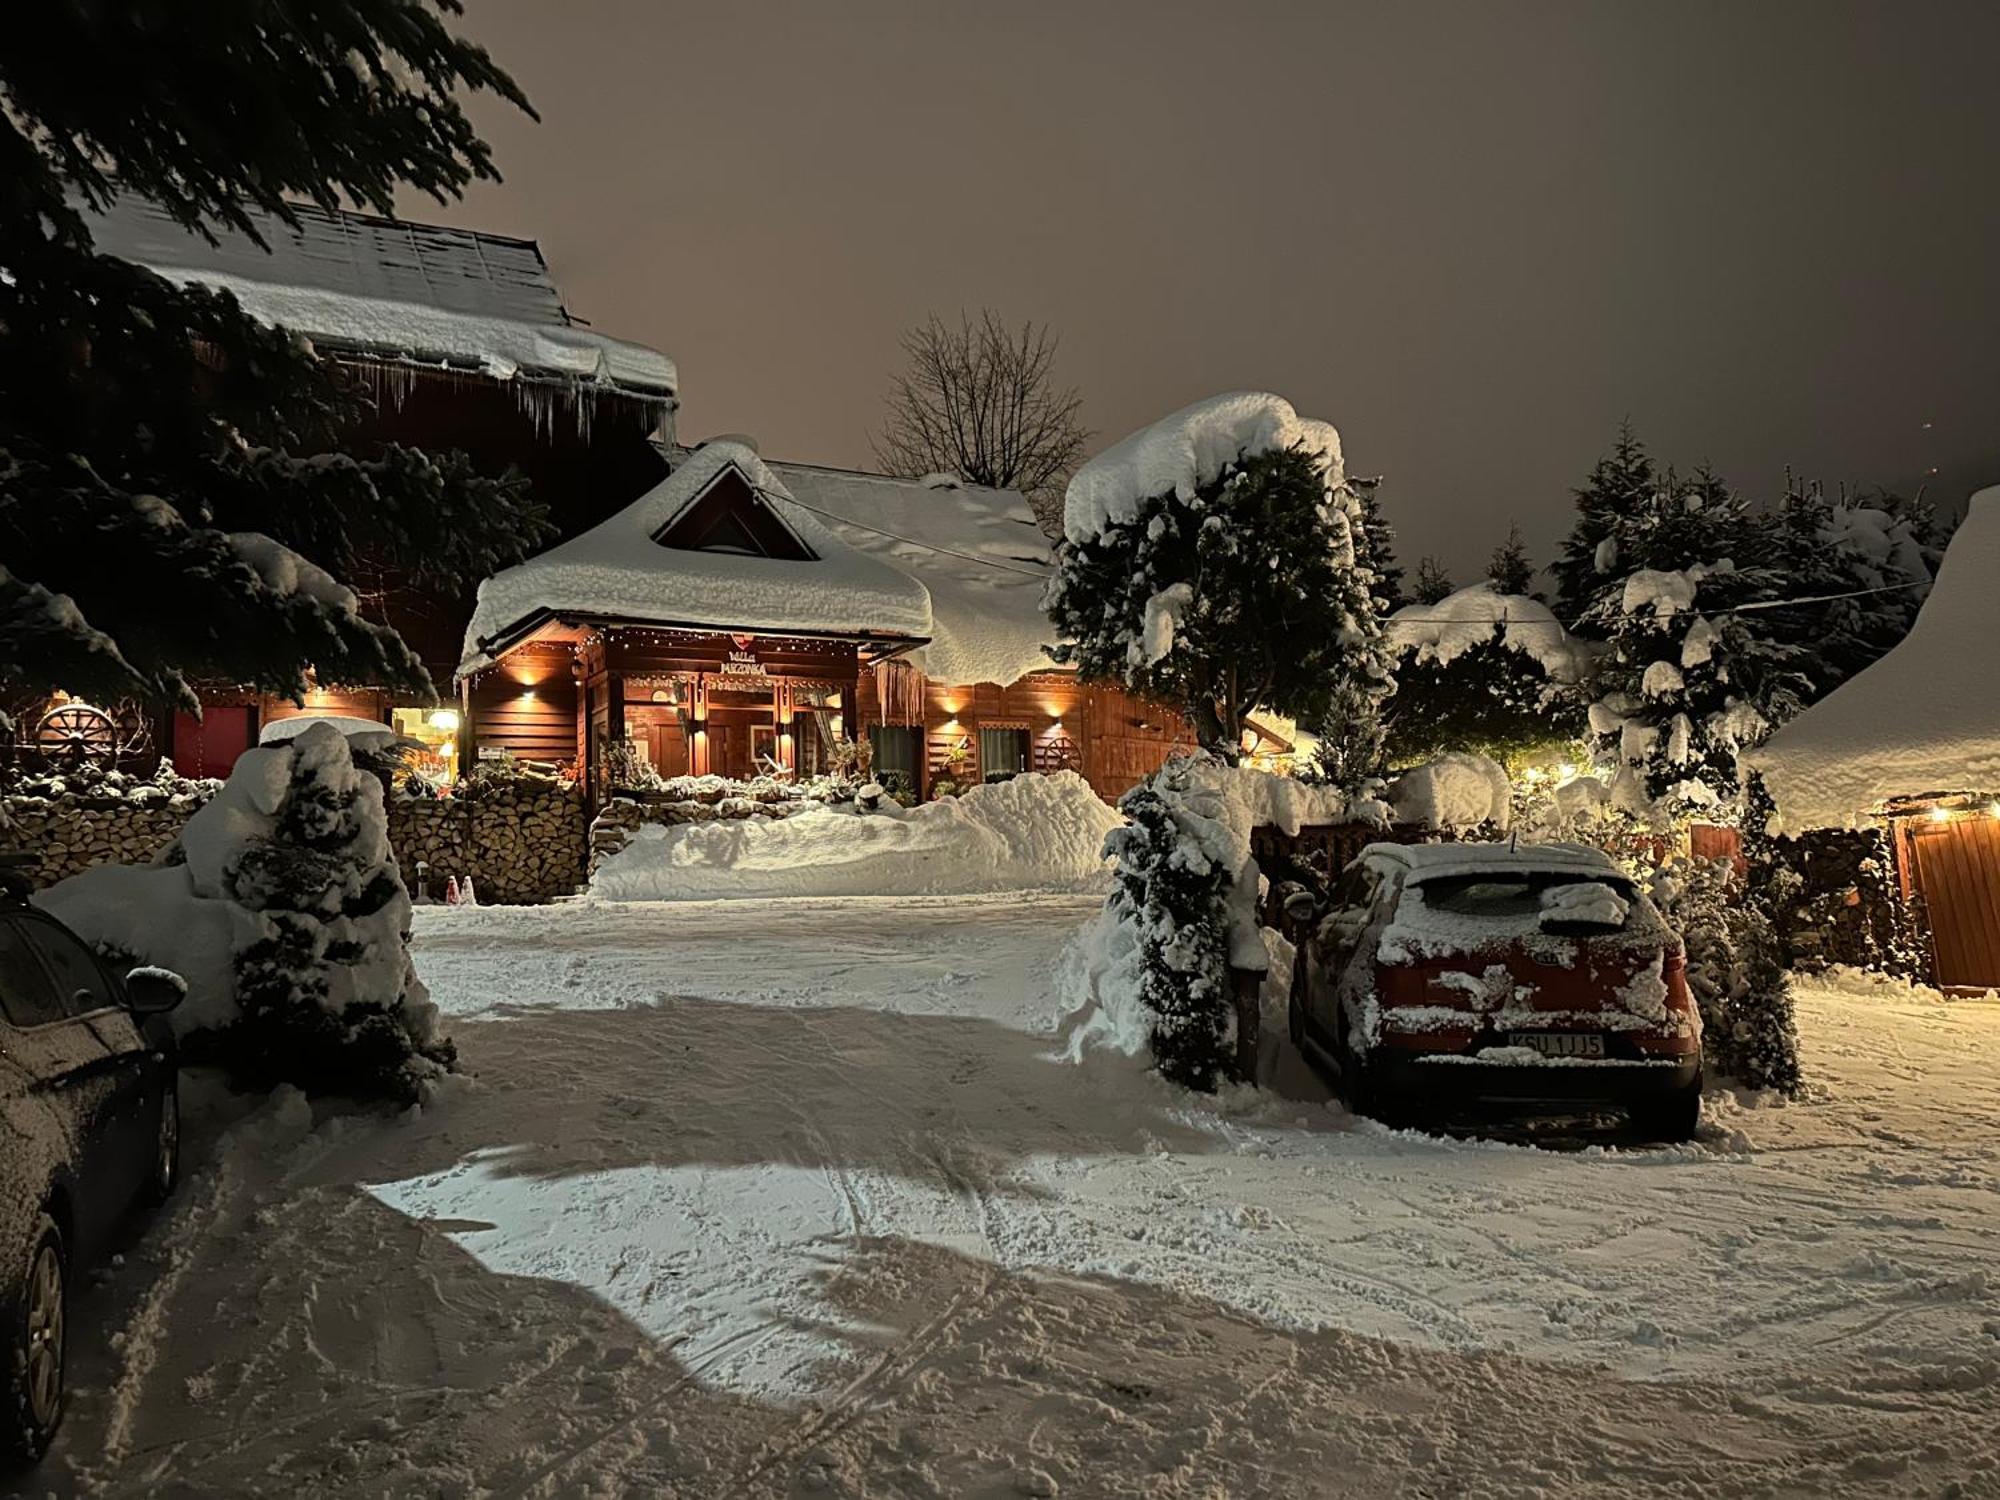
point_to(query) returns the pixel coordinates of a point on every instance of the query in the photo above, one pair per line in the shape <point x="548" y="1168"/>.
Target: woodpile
<point x="73" y="833"/>
<point x="522" y="842"/>
<point x="614" y="826"/>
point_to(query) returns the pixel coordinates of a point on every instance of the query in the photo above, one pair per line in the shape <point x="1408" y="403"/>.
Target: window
<point x="1003" y="753"/>
<point x="26" y="993"/>
<point x="80" y="981"/>
<point x="895" y="747"/>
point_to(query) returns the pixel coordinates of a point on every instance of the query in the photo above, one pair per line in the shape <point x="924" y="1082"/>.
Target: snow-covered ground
<point x="754" y="1199"/>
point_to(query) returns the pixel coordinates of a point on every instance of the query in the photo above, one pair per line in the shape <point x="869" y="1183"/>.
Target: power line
<point x="1729" y="609"/>
<point x="984" y="562"/>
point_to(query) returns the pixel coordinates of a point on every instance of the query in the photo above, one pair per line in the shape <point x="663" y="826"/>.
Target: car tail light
<point x="1674" y="970"/>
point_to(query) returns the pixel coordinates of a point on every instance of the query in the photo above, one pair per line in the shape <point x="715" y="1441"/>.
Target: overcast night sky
<point x="1473" y="236"/>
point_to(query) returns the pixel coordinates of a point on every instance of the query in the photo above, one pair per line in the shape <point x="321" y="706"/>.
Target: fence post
<point x="1248" y="988"/>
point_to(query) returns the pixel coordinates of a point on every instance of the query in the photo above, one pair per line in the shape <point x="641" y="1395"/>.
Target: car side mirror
<point x="153" y="992"/>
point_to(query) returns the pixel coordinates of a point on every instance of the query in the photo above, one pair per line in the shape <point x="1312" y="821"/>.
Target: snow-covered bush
<point x="290" y="921"/>
<point x="1735" y="972"/>
<point x="1153" y="971"/>
<point x="1455" y="793"/>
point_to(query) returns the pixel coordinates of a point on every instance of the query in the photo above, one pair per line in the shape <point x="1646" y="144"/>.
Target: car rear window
<point x="27" y="996"/>
<point x="1507" y="893"/>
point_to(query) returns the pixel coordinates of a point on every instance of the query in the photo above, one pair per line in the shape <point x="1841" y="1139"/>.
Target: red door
<point x="208" y="746"/>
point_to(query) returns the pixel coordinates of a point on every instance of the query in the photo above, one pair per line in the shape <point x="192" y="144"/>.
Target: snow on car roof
<point x="1444" y="861"/>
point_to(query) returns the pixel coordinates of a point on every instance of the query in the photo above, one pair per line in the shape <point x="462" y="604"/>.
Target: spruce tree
<point x="1690" y="677"/>
<point x="1488" y="699"/>
<point x="1510" y="572"/>
<point x="1620" y="484"/>
<point x="1375" y="547"/>
<point x="1735" y="973"/>
<point x="1170" y="894"/>
<point x="1433" y="581"/>
<point x="1247" y="592"/>
<point x="162" y="454"/>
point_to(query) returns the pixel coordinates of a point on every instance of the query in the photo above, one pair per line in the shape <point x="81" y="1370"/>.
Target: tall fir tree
<point x="1620" y="484"/>
<point x="1249" y="592"/>
<point x="164" y="459"/>
<point x="1433" y="581"/>
<point x="1510" y="572"/>
<point x="1375" y="547"/>
<point x="1689" y="678"/>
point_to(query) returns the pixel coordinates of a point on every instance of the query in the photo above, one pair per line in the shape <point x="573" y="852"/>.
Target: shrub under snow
<point x="288" y="917"/>
<point x="1153" y="969"/>
<point x="1736" y="973"/>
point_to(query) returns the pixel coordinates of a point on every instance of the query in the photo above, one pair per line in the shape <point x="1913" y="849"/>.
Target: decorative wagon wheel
<point x="77" y="733"/>
<point x="1057" y="753"/>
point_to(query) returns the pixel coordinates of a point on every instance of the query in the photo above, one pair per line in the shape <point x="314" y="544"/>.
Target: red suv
<point x="1538" y="975"/>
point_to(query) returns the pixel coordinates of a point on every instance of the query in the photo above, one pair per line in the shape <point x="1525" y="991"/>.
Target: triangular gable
<point x="728" y="515"/>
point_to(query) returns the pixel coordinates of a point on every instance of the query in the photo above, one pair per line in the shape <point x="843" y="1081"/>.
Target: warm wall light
<point x="1939" y="814"/>
<point x="444" y="720"/>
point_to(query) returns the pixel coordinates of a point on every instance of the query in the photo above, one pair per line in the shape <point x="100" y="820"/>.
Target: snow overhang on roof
<point x="975" y="551"/>
<point x="618" y="572"/>
<point x="420" y="294"/>
<point x="1923" y="721"/>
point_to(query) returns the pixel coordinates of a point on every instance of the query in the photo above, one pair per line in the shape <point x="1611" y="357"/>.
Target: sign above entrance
<point x="742" y="663"/>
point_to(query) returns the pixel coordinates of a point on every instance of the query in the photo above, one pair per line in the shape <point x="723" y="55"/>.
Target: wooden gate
<point x="1957" y="868"/>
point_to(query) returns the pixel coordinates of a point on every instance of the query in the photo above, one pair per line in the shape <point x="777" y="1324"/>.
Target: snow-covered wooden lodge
<point x="717" y="612"/>
<point x="1912" y="744"/>
<point x="743" y="616"/>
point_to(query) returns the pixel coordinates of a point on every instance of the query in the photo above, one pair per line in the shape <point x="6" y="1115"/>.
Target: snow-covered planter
<point x="87" y="817"/>
<point x="289" y="919"/>
<point x="1160" y="967"/>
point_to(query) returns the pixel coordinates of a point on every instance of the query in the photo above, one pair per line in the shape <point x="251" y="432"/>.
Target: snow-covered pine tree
<point x="1433" y="581"/>
<point x="1619" y="485"/>
<point x="1688" y="680"/>
<point x="1375" y="547"/>
<point x="1878" y="551"/>
<point x="1489" y="698"/>
<point x="160" y="452"/>
<point x="1235" y="589"/>
<point x="1510" y="572"/>
<point x="1735" y="973"/>
<point x="1170" y="894"/>
<point x="328" y="998"/>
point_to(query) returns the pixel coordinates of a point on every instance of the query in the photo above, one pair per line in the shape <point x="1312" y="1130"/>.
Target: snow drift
<point x="1034" y="832"/>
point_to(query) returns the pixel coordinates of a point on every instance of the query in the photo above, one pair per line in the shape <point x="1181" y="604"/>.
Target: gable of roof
<point x="727" y="515"/>
<point x="391" y="288"/>
<point x="619" y="571"/>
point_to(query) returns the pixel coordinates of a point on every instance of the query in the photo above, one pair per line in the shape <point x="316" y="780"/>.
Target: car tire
<point x="1674" y="1119"/>
<point x="166" y="1170"/>
<point x="36" y="1310"/>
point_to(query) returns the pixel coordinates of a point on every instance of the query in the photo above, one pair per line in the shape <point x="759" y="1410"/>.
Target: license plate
<point x="1559" y="1043"/>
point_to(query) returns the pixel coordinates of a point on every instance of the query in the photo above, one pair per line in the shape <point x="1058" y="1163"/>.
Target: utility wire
<point x="984" y="562"/>
<point x="1731" y="609"/>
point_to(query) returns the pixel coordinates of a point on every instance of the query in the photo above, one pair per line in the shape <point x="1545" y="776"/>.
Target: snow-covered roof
<point x="1445" y="630"/>
<point x="1923" y="720"/>
<point x="1179" y="454"/>
<point x="415" y="292"/>
<point x="976" y="551"/>
<point x="1446" y="861"/>
<point x="617" y="570"/>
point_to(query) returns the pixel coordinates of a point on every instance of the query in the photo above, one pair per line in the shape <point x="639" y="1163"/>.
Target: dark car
<point x="1450" y="974"/>
<point x="89" y="1126"/>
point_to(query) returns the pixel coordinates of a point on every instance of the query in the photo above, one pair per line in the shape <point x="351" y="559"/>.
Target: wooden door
<point x="1958" y="875"/>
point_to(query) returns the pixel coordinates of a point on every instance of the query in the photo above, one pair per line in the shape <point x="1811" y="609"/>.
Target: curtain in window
<point x="1002" y="752"/>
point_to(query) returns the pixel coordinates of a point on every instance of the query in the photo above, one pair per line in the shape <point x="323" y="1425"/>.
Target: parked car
<point x="89" y="1126"/>
<point x="1448" y="974"/>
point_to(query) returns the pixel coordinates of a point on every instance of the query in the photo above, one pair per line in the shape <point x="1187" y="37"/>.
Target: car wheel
<point x="1675" y="1118"/>
<point x="37" y="1318"/>
<point x="166" y="1146"/>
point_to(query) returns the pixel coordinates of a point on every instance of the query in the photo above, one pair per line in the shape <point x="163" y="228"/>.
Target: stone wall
<point x="72" y="831"/>
<point x="522" y="842"/>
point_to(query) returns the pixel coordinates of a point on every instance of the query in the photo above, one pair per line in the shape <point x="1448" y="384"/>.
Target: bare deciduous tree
<point x="979" y="401"/>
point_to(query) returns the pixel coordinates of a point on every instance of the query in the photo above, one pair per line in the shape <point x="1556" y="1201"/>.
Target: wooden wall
<point x="1112" y="739"/>
<point x="527" y="705"/>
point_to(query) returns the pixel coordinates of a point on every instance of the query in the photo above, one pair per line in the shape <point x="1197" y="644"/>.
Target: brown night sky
<point x="1471" y="235"/>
